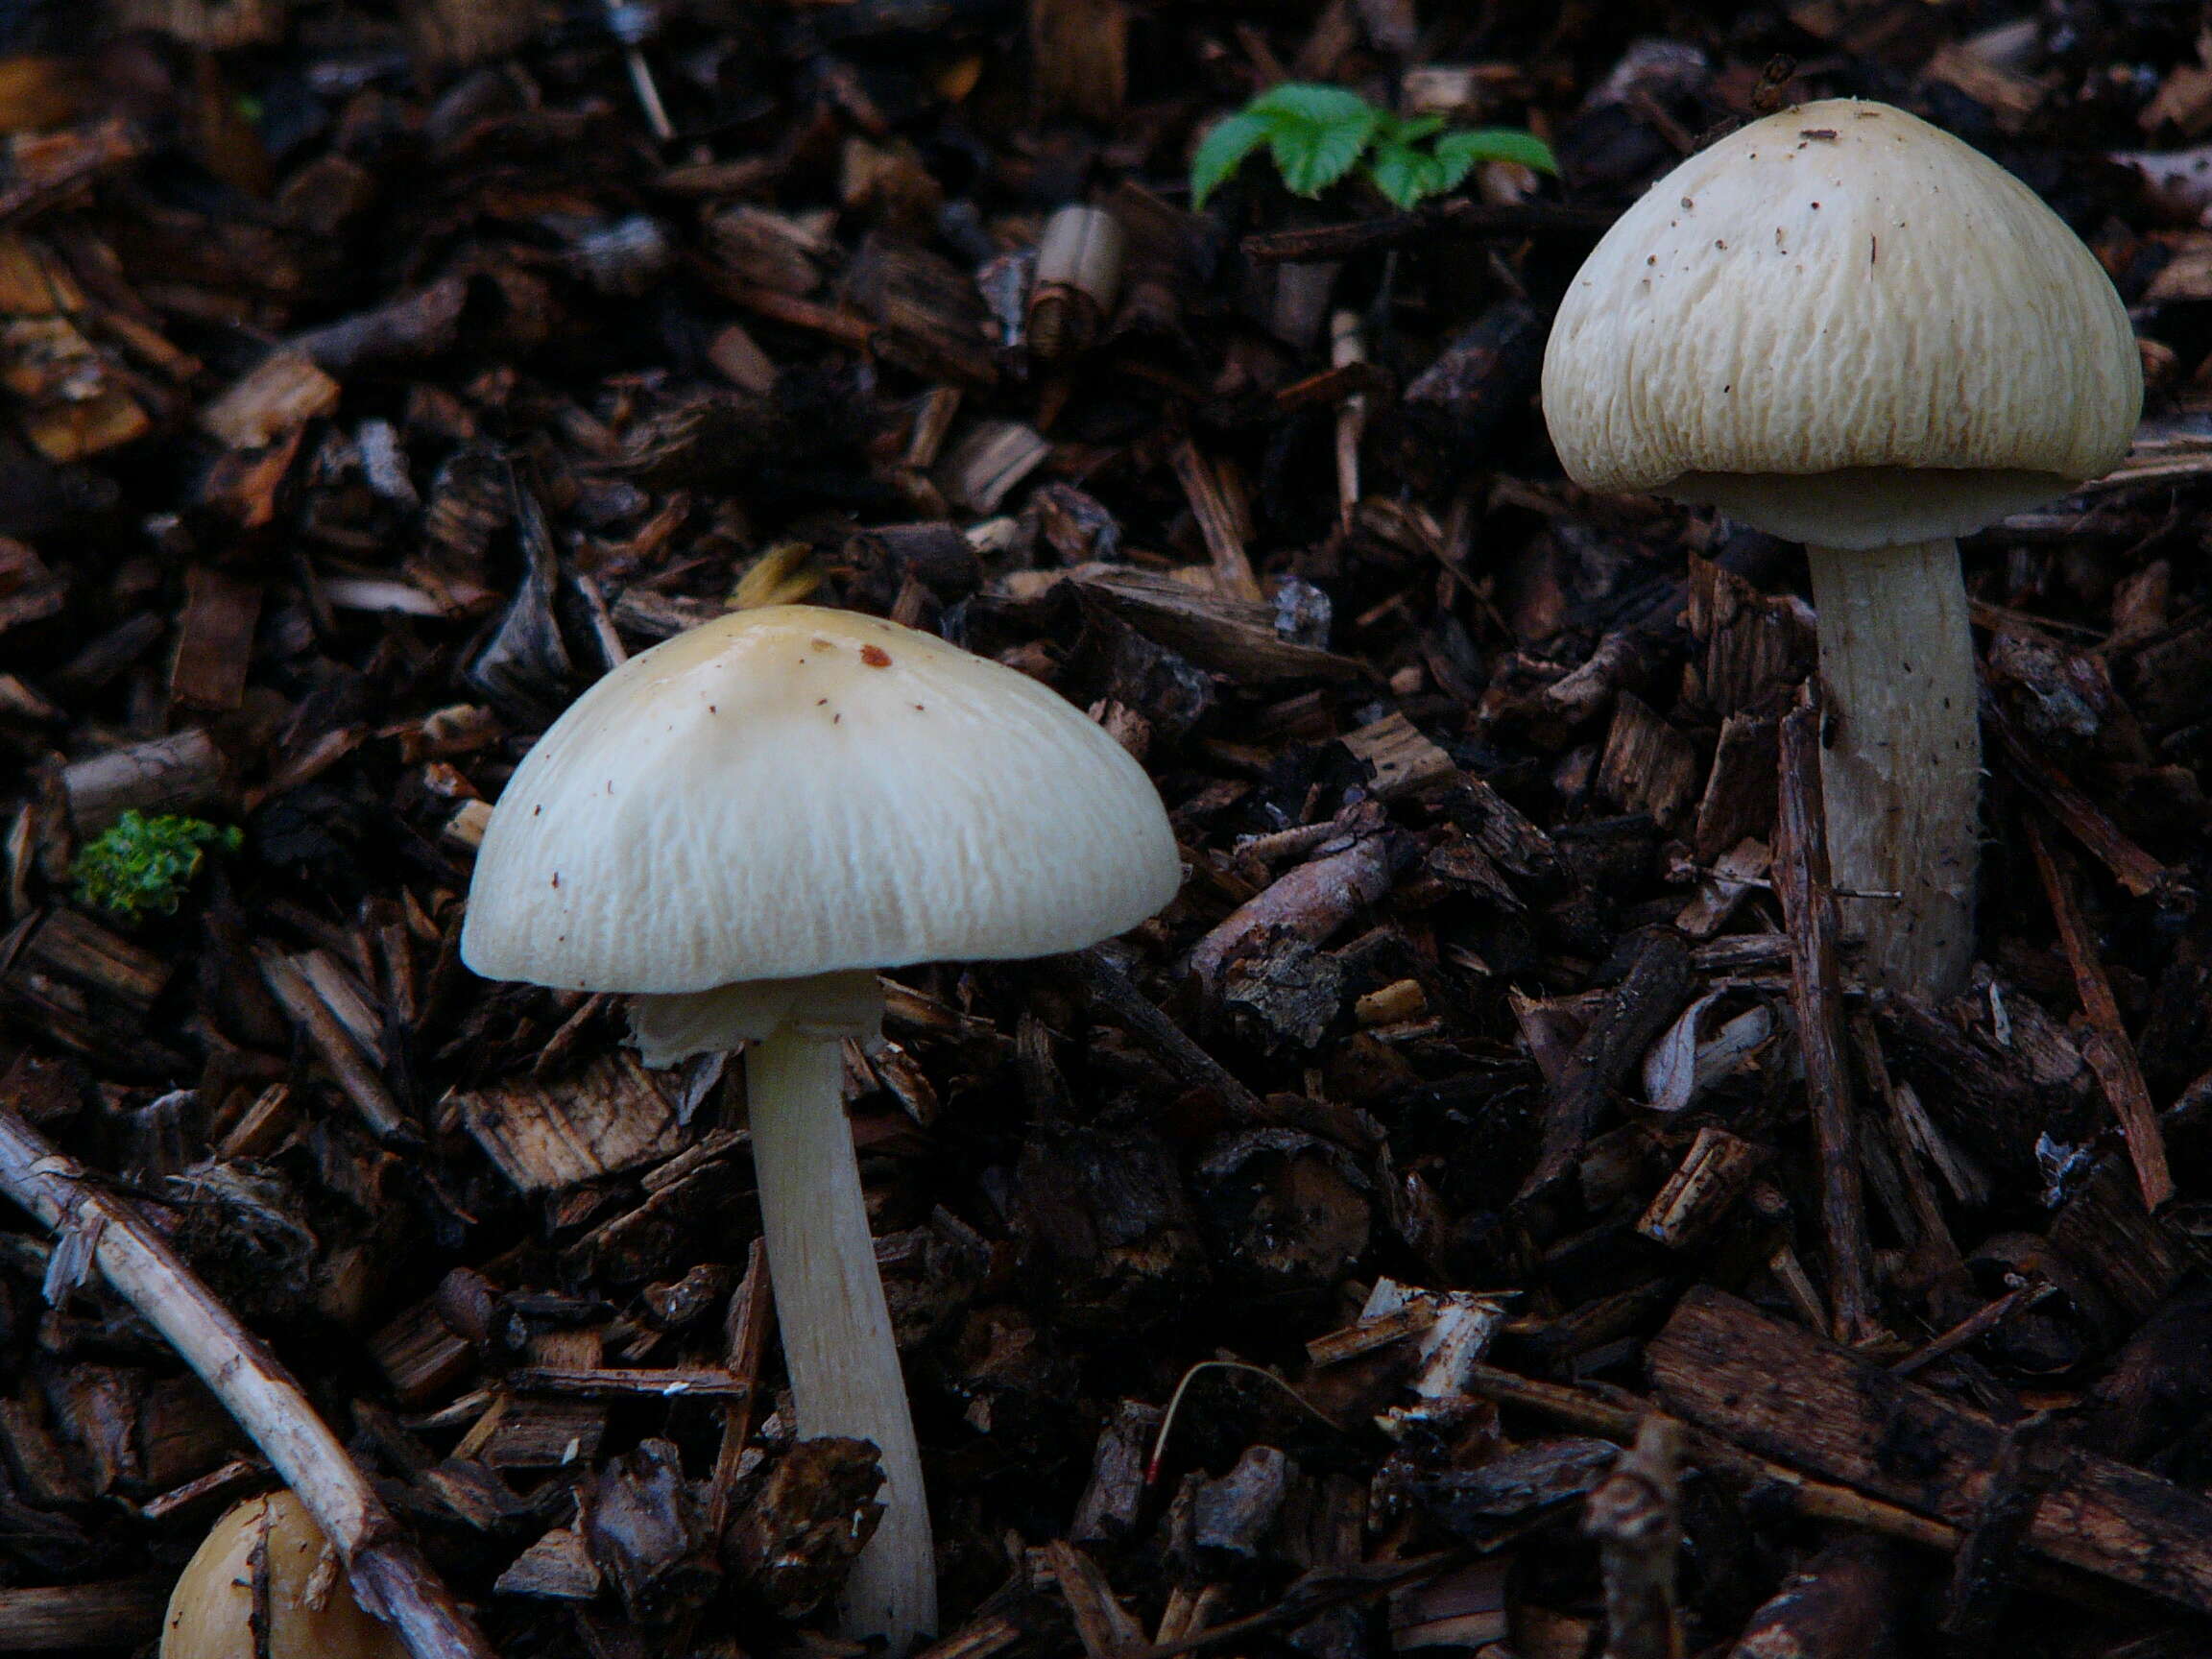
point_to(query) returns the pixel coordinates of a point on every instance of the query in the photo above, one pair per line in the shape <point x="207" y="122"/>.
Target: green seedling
<point x="1318" y="134"/>
<point x="139" y="864"/>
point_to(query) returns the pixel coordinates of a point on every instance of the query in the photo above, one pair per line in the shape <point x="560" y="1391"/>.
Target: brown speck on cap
<point x="875" y="656"/>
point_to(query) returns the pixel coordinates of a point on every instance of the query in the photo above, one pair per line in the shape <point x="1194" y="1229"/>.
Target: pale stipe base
<point x="836" y="1330"/>
<point x="1901" y="758"/>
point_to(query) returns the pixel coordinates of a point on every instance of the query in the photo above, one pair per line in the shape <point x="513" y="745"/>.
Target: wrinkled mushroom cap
<point x="793" y="791"/>
<point x="312" y="1614"/>
<point x="1844" y="326"/>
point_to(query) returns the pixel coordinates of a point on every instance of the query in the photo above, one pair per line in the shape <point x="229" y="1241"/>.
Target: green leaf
<point x="140" y="863"/>
<point x="1460" y="151"/>
<point x="1403" y="129"/>
<point x="1316" y="106"/>
<point x="1222" y="150"/>
<point x="1406" y="174"/>
<point x="1311" y="155"/>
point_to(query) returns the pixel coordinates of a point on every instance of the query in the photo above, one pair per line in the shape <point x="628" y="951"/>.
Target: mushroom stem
<point x="1901" y="757"/>
<point x="829" y="1307"/>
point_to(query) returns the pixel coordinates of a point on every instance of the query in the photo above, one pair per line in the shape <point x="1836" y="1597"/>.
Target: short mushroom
<point x="269" y="1546"/>
<point x="1841" y="326"/>
<point x="741" y="826"/>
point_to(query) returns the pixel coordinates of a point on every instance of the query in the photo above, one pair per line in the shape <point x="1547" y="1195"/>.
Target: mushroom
<point x="270" y="1546"/>
<point x="740" y="826"/>
<point x="1843" y="326"/>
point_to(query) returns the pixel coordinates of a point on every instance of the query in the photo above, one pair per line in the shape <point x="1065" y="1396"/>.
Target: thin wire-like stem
<point x="1175" y="1405"/>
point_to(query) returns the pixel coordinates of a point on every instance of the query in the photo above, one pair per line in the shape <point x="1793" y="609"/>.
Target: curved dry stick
<point x="389" y="1575"/>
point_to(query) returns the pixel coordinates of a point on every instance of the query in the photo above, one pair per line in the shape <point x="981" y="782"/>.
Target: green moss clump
<point x="139" y="864"/>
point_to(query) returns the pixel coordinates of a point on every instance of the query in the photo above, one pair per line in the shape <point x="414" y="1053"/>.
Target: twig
<point x="1983" y="1573"/>
<point x="2110" y="1051"/>
<point x="1474" y="218"/>
<point x="1979" y="1323"/>
<point x="389" y="1575"/>
<point x="1116" y="995"/>
<point x="2133" y="868"/>
<point x="1216" y="520"/>
<point x="747" y="1339"/>
<point x="1644" y="1004"/>
<point x="1635" y="1514"/>
<point x="1816" y="994"/>
<point x="1814" y="1499"/>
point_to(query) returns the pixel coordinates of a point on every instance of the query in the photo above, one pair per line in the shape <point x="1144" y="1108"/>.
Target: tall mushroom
<point x="1841" y="326"/>
<point x="741" y="825"/>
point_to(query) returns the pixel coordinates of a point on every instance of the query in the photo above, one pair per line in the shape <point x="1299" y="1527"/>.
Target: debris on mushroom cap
<point x="792" y="790"/>
<point x="1837" y="289"/>
<point x="311" y="1613"/>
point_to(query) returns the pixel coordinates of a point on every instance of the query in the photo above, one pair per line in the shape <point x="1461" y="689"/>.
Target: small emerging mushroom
<point x="270" y="1548"/>
<point x="741" y="826"/>
<point x="1844" y="326"/>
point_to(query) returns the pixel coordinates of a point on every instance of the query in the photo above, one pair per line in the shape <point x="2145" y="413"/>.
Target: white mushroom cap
<point x="793" y="791"/>
<point x="1844" y="326"/>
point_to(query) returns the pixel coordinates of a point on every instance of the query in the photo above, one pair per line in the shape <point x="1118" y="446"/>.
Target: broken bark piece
<point x="351" y="1065"/>
<point x="985" y="466"/>
<point x="1464" y="1609"/>
<point x="1846" y="1602"/>
<point x="1816" y="995"/>
<point x="421" y="323"/>
<point x="1647" y="766"/>
<point x="931" y="320"/>
<point x="1102" y="1625"/>
<point x="1079" y="60"/>
<point x="2109" y="1050"/>
<point x="1405" y="761"/>
<point x="80" y="950"/>
<point x="1713" y="1174"/>
<point x="29" y="591"/>
<point x="1757" y="647"/>
<point x="1784" y="1394"/>
<point x="1215" y="631"/>
<point x="1740" y="790"/>
<point x="420" y="1355"/>
<point x="558" y="1567"/>
<point x="1111" y="1501"/>
<point x="2084" y="819"/>
<point x="1482" y="378"/>
<point x="118" y="1613"/>
<point x="285" y="389"/>
<point x="1220" y="521"/>
<point x="163" y="775"/>
<point x="1649" y="995"/>
<point x="214" y="642"/>
<point x="1105" y="982"/>
<point x="796" y="1540"/>
<point x="610" y="1117"/>
<point x="1983" y="1573"/>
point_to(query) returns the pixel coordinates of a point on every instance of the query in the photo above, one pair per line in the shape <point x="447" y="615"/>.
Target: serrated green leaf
<point x="1406" y="174"/>
<point x="1406" y="129"/>
<point x="1312" y="157"/>
<point x="1460" y="151"/>
<point x="1320" y="106"/>
<point x="1222" y="150"/>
